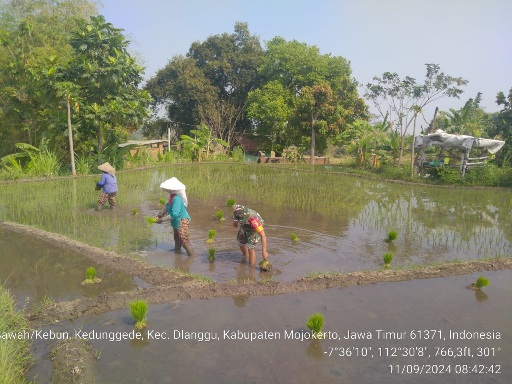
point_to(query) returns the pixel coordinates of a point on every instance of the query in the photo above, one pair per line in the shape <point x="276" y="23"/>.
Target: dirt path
<point x="170" y="286"/>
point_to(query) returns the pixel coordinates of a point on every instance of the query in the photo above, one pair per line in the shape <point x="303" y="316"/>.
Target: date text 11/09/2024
<point x="439" y="369"/>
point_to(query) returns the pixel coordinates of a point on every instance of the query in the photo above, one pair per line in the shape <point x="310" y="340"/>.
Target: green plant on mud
<point x="211" y="255"/>
<point x="230" y="203"/>
<point x="294" y="237"/>
<point x="135" y="211"/>
<point x="90" y="276"/>
<point x="392" y="235"/>
<point x="481" y="282"/>
<point x="315" y="323"/>
<point x="138" y="309"/>
<point x="220" y="215"/>
<point x="150" y="220"/>
<point x="162" y="201"/>
<point x="90" y="273"/>
<point x="388" y="257"/>
<point x="211" y="236"/>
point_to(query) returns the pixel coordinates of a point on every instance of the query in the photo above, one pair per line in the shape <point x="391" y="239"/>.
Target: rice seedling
<point x="211" y="255"/>
<point x="150" y="220"/>
<point x="265" y="266"/>
<point x="480" y="283"/>
<point x="294" y="237"/>
<point x="315" y="323"/>
<point x="90" y="277"/>
<point x="230" y="203"/>
<point x="162" y="201"/>
<point x="388" y="257"/>
<point x="211" y="236"/>
<point x="220" y="215"/>
<point x="392" y="235"/>
<point x="138" y="309"/>
<point x="135" y="211"/>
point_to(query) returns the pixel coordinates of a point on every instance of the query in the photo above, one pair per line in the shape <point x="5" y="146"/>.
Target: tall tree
<point x="211" y="84"/>
<point x="321" y="96"/>
<point x="502" y="128"/>
<point x="34" y="40"/>
<point x="403" y="99"/>
<point x="112" y="103"/>
<point x="469" y="120"/>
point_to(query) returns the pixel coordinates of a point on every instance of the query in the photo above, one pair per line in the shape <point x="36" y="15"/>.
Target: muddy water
<point x="424" y="308"/>
<point x="34" y="270"/>
<point x="342" y="221"/>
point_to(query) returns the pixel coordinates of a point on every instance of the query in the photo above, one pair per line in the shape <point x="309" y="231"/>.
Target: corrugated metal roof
<point x="141" y="143"/>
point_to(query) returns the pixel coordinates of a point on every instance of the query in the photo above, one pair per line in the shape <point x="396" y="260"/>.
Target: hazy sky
<point x="471" y="39"/>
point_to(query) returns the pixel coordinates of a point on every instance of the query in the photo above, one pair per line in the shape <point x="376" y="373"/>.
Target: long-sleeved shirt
<point x="108" y="183"/>
<point x="176" y="211"/>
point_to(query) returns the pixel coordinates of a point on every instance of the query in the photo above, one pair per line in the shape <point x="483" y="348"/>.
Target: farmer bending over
<point x="251" y="230"/>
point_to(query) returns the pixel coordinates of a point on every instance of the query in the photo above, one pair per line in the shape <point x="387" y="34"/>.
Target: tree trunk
<point x="100" y="143"/>
<point x="312" y="150"/>
<point x="70" y="135"/>
<point x="412" y="149"/>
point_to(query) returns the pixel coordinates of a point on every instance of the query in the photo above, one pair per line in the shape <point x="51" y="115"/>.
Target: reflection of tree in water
<point x="471" y="223"/>
<point x="245" y="273"/>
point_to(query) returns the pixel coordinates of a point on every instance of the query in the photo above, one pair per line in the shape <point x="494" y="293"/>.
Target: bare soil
<point x="170" y="286"/>
<point x="73" y="361"/>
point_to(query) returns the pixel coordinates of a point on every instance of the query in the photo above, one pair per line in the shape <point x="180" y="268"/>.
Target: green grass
<point x="14" y="355"/>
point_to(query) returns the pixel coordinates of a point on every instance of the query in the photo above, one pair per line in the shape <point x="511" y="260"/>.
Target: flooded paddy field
<point x="413" y="309"/>
<point x="342" y="223"/>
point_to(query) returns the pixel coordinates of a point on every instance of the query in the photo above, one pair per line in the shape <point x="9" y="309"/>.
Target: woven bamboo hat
<point x="106" y="167"/>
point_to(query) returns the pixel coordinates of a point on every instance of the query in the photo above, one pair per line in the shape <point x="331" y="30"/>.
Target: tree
<point x="34" y="40"/>
<point x="317" y="90"/>
<point x="469" y="120"/>
<point x="404" y="99"/>
<point x="108" y="79"/>
<point x="211" y="84"/>
<point x="270" y="108"/>
<point x="502" y="129"/>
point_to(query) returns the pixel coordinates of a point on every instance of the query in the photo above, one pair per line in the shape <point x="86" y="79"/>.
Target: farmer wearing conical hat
<point x="107" y="185"/>
<point x="251" y="230"/>
<point x="176" y="209"/>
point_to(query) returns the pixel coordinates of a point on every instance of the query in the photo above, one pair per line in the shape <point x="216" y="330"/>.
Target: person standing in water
<point x="176" y="209"/>
<point x="107" y="185"/>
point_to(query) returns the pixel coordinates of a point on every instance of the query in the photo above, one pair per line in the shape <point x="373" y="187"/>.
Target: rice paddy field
<point x="317" y="220"/>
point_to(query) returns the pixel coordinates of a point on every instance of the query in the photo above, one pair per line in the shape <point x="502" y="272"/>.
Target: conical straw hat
<point x="173" y="184"/>
<point x="106" y="167"/>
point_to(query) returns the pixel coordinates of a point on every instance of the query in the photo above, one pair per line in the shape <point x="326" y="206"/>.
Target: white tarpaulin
<point x="443" y="139"/>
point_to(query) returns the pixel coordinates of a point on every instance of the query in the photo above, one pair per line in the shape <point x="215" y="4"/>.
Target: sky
<point x="471" y="39"/>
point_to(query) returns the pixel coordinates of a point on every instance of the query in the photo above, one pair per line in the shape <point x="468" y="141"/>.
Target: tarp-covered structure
<point x="462" y="143"/>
